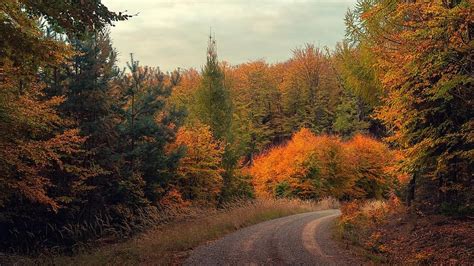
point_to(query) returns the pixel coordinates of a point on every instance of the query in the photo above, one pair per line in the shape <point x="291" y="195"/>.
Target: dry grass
<point x="170" y="243"/>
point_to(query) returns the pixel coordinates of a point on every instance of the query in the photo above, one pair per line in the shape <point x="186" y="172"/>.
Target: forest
<point x="89" y="149"/>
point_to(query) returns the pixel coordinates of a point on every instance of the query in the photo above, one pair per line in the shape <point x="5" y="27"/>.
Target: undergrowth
<point x="387" y="232"/>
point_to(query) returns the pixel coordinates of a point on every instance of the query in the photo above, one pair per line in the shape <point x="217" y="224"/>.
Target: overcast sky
<point x="174" y="33"/>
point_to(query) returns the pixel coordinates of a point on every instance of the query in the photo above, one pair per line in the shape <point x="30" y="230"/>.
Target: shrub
<point x="311" y="167"/>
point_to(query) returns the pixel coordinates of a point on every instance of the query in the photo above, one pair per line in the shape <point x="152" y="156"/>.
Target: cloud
<point x="174" y="34"/>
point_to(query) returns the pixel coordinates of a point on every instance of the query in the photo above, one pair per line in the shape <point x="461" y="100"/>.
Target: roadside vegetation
<point x="420" y="54"/>
<point x="169" y="243"/>
<point x="387" y="232"/>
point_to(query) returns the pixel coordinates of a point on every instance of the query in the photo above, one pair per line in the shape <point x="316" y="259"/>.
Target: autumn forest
<point x="90" y="150"/>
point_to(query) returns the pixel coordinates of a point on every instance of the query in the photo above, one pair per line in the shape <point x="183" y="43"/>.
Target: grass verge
<point x="169" y="244"/>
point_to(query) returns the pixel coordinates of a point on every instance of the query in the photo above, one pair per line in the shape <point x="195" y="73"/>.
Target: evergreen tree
<point x="92" y="103"/>
<point x="146" y="130"/>
<point x="214" y="104"/>
<point x="215" y="109"/>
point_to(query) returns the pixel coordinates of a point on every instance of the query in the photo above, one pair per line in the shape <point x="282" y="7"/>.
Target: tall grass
<point x="169" y="243"/>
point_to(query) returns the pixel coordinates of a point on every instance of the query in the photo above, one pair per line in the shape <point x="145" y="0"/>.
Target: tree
<point x="89" y="83"/>
<point x="374" y="167"/>
<point x="199" y="174"/>
<point x="23" y="60"/>
<point x="147" y="127"/>
<point x="361" y="88"/>
<point x="356" y="67"/>
<point x="309" y="91"/>
<point x="347" y="118"/>
<point x="213" y="98"/>
<point x="215" y="109"/>
<point x="42" y="157"/>
<point x="423" y="56"/>
<point x="21" y="29"/>
<point x="257" y="107"/>
<point x="312" y="167"/>
<point x="184" y="95"/>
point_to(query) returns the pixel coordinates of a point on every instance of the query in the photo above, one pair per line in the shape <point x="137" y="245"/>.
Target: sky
<point x="174" y="33"/>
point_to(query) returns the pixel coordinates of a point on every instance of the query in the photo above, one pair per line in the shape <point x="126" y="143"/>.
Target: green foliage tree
<point x="348" y="117"/>
<point x="21" y="28"/>
<point x="355" y="69"/>
<point x="215" y="108"/>
<point x="307" y="91"/>
<point x="257" y="103"/>
<point x="89" y="82"/>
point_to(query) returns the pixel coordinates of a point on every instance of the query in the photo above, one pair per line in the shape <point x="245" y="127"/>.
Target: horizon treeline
<point x="89" y="149"/>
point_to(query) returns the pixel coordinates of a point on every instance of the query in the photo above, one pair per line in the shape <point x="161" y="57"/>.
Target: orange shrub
<point x="310" y="166"/>
<point x="374" y="167"/>
<point x="282" y="164"/>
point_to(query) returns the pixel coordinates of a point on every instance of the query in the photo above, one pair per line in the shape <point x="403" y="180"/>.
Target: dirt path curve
<point x="302" y="239"/>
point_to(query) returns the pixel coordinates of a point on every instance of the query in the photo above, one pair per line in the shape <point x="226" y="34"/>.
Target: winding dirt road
<point x="302" y="239"/>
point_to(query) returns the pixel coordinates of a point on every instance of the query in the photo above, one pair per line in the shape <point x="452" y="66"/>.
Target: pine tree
<point x="147" y="127"/>
<point x="215" y="109"/>
<point x="92" y="103"/>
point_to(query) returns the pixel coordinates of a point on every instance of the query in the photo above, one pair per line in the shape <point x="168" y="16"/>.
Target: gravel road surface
<point x="302" y="239"/>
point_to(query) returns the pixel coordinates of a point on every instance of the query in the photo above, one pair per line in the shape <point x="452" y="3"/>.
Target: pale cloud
<point x="173" y="34"/>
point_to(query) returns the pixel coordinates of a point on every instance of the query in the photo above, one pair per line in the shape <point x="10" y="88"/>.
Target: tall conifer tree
<point x="213" y="98"/>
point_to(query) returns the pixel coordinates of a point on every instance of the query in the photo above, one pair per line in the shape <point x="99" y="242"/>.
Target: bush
<point x="312" y="167"/>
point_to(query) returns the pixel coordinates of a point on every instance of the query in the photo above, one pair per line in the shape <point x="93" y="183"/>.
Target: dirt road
<point x="303" y="239"/>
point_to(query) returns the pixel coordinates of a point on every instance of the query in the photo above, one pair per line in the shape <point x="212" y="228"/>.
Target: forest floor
<point x="171" y="243"/>
<point x="398" y="236"/>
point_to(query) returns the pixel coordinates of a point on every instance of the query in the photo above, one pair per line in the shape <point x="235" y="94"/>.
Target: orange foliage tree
<point x="374" y="167"/>
<point x="311" y="166"/>
<point x="199" y="174"/>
